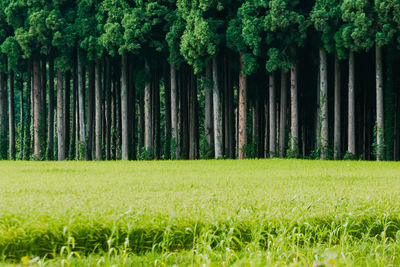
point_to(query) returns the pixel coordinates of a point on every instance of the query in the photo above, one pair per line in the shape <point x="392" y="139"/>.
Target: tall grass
<point x="255" y="212"/>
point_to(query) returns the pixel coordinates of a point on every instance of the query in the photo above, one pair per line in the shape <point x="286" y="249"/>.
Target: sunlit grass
<point x="255" y="212"/>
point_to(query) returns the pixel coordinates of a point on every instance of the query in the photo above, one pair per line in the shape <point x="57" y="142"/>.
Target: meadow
<point x="208" y="213"/>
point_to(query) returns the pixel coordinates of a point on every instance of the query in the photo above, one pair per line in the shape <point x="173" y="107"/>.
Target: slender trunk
<point x="324" y="102"/>
<point x="167" y="95"/>
<point x="82" y="116"/>
<point x="294" y="129"/>
<point x="174" y="111"/>
<point x="11" y="115"/>
<point x="141" y="122"/>
<point x="76" y="110"/>
<point x="184" y="121"/>
<point x="217" y="113"/>
<point x="3" y="117"/>
<point x="50" y="113"/>
<point x="27" y="117"/>
<point x="67" y="112"/>
<point x="124" y="107"/>
<point x="22" y="116"/>
<point x="148" y="144"/>
<point x="43" y="129"/>
<point x="156" y="116"/>
<point x="90" y="115"/>
<point x="272" y="116"/>
<point x="337" y="131"/>
<point x="209" y="120"/>
<point x="60" y="117"/>
<point x="132" y="111"/>
<point x="351" y="112"/>
<point x="283" y="111"/>
<point x="379" y="105"/>
<point x="193" y="149"/>
<point x="231" y="116"/>
<point x="107" y="107"/>
<point x="242" y="110"/>
<point x="38" y="113"/>
<point x="98" y="109"/>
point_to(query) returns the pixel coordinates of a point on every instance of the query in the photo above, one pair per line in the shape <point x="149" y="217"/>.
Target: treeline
<point x="190" y="79"/>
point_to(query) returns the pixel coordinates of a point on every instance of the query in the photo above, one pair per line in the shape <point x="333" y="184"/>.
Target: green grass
<point x="244" y="213"/>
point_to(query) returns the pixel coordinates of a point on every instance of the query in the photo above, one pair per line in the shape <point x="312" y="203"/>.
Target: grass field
<point x="212" y="213"/>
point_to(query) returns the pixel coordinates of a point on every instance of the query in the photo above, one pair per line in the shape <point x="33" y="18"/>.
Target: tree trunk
<point x="141" y="122"/>
<point x="324" y="102"/>
<point x="43" y="72"/>
<point x="167" y="96"/>
<point x="132" y="111"/>
<point x="90" y="116"/>
<point x="82" y="116"/>
<point x="294" y="129"/>
<point x="107" y="106"/>
<point x="209" y="120"/>
<point x="193" y="149"/>
<point x="98" y="109"/>
<point x="50" y="117"/>
<point x="11" y="115"/>
<point x="38" y="112"/>
<point x="337" y="131"/>
<point x="148" y="140"/>
<point x="22" y="116"/>
<point x="272" y="116"/>
<point x="60" y="117"/>
<point x="379" y="105"/>
<point x="27" y="117"/>
<point x="174" y="111"/>
<point x="242" y="110"/>
<point x="217" y="112"/>
<point x="282" y="119"/>
<point x="124" y="107"/>
<point x="3" y="117"/>
<point x="351" y="112"/>
<point x="67" y="112"/>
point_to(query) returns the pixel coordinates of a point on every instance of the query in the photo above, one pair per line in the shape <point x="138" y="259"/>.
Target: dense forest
<point x="191" y="79"/>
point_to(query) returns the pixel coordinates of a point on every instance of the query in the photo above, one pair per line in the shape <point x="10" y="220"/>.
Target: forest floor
<point x="208" y="213"/>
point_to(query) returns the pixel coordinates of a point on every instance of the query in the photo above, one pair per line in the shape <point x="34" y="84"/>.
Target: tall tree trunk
<point x="38" y="112"/>
<point x="174" y="110"/>
<point x="148" y="140"/>
<point x="242" y="110"/>
<point x="132" y="111"/>
<point x="60" y="117"/>
<point x="184" y="121"/>
<point x="209" y="120"/>
<point x="27" y="117"/>
<point x="193" y="148"/>
<point x="283" y="111"/>
<point x="379" y="105"/>
<point x="90" y="116"/>
<point x="351" y="112"/>
<point x="98" y="109"/>
<point x="107" y="106"/>
<point x="3" y="117"/>
<point x="11" y="115"/>
<point x="231" y="115"/>
<point x="76" y="110"/>
<point x="82" y="116"/>
<point x="324" y="102"/>
<point x="294" y="129"/>
<point x="67" y="112"/>
<point x="156" y="116"/>
<point x="272" y="116"/>
<point x="43" y="72"/>
<point x="217" y="112"/>
<point x="167" y="95"/>
<point x="141" y="122"/>
<point x="337" y="131"/>
<point x="124" y="107"/>
<point x="22" y="116"/>
<point x="50" y="113"/>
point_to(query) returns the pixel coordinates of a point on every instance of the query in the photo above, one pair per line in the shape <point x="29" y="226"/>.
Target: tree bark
<point x="283" y="111"/>
<point x="351" y="112"/>
<point x="294" y="129"/>
<point x="82" y="115"/>
<point x="379" y="105"/>
<point x="22" y="116"/>
<point x="337" y="131"/>
<point x="38" y="113"/>
<point x="11" y="115"/>
<point x="324" y="102"/>
<point x="272" y="116"/>
<point x="27" y="117"/>
<point x="216" y="111"/>
<point x="193" y="149"/>
<point x="174" y="110"/>
<point x="148" y="140"/>
<point x="242" y="110"/>
<point x="90" y="115"/>
<point x="67" y="112"/>
<point x="132" y="111"/>
<point x="124" y="107"/>
<point x="3" y="117"/>
<point x="209" y="118"/>
<point x="50" y="113"/>
<point x="60" y="117"/>
<point x="167" y="99"/>
<point x="98" y="109"/>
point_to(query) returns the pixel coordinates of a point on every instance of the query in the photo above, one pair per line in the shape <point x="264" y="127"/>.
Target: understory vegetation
<point x="247" y="213"/>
